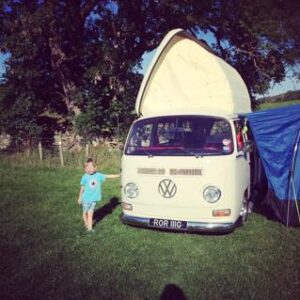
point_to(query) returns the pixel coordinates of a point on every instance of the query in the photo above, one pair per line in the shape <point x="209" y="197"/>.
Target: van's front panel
<point x="180" y="172"/>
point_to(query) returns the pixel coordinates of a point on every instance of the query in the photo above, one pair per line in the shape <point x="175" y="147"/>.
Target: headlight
<point x="211" y="194"/>
<point x="131" y="190"/>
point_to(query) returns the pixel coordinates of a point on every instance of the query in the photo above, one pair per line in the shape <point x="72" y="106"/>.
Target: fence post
<point x="61" y="151"/>
<point x="118" y="128"/>
<point x="40" y="150"/>
<point x="87" y="150"/>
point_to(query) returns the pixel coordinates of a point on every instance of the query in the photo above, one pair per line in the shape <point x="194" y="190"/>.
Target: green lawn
<point x="46" y="254"/>
<point x="264" y="106"/>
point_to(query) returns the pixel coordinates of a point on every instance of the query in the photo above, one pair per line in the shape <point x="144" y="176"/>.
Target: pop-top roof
<point x="184" y="73"/>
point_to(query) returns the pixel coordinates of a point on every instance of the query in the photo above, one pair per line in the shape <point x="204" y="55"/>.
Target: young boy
<point x="90" y="191"/>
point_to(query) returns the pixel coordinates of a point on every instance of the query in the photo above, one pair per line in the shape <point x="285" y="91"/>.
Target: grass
<point x="46" y="254"/>
<point x="269" y="105"/>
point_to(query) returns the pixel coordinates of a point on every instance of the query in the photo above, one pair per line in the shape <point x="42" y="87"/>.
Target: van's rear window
<point x="180" y="136"/>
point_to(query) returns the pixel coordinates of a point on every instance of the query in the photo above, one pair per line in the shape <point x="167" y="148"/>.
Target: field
<point x="46" y="254"/>
<point x="278" y="104"/>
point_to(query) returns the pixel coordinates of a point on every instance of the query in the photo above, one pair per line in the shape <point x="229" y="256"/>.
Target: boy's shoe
<point x="91" y="230"/>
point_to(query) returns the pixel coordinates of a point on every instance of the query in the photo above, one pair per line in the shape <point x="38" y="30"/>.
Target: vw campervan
<point x="184" y="165"/>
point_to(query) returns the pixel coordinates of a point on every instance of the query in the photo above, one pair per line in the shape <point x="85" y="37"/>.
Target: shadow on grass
<point x="172" y="292"/>
<point x="105" y="210"/>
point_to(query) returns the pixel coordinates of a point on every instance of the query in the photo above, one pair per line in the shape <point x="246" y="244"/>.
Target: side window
<point x="238" y="125"/>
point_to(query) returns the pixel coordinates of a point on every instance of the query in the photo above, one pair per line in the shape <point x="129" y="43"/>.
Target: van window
<point x="238" y="125"/>
<point x="180" y="136"/>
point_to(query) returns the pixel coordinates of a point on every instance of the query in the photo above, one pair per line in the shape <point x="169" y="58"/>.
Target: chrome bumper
<point x="191" y="226"/>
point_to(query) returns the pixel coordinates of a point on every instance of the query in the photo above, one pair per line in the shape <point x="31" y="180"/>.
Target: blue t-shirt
<point x="92" y="186"/>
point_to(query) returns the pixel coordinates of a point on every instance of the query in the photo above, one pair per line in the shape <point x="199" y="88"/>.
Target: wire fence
<point x="63" y="152"/>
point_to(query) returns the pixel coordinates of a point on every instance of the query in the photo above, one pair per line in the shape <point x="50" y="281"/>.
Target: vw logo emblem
<point x="167" y="188"/>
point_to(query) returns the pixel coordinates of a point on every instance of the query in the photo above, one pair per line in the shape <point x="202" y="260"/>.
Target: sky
<point x="2" y="67"/>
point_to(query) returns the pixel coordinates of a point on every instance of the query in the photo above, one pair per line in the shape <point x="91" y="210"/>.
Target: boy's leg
<point x="85" y="208"/>
<point x="90" y="215"/>
<point x="85" y="218"/>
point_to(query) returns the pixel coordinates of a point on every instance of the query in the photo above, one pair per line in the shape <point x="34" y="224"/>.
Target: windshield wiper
<point x="199" y="154"/>
<point x="196" y="154"/>
<point x="146" y="152"/>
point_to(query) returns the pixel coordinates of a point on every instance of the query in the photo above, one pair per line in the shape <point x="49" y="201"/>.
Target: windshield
<point x="180" y="136"/>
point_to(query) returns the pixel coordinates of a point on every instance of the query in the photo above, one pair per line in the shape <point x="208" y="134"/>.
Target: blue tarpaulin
<point x="275" y="132"/>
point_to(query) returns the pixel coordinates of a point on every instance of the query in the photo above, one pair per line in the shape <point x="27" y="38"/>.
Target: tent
<point x="277" y="136"/>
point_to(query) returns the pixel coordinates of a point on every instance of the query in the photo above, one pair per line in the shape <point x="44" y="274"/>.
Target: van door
<point x="242" y="159"/>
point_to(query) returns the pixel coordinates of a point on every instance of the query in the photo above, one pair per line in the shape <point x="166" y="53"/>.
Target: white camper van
<point x="184" y="165"/>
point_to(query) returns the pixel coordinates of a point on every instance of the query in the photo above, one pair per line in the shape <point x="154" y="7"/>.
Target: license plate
<point x="169" y="224"/>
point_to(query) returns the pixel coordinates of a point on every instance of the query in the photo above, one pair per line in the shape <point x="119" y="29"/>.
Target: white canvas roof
<point x="184" y="73"/>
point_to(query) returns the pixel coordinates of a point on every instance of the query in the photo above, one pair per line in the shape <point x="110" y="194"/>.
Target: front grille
<point x="151" y="171"/>
<point x="174" y="172"/>
<point x="188" y="172"/>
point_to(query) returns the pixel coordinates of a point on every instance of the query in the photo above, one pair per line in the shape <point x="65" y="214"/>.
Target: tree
<point x="74" y="63"/>
<point x="260" y="38"/>
<point x="29" y="92"/>
<point x="45" y="40"/>
<point x="71" y="67"/>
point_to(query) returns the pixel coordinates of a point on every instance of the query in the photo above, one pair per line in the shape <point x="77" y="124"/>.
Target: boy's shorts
<point x="88" y="206"/>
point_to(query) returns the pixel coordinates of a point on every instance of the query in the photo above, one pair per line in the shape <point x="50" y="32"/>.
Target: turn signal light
<point x="221" y="212"/>
<point x="126" y="206"/>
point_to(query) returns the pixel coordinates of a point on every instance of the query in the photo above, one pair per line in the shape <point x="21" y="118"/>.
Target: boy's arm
<point x="80" y="195"/>
<point x="112" y="176"/>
